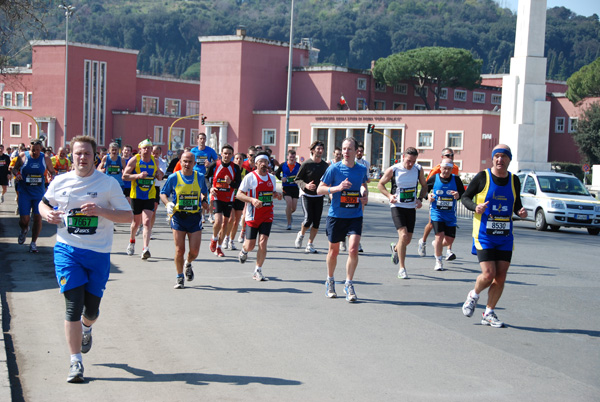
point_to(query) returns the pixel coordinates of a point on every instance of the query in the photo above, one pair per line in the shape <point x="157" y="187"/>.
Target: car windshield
<point x="562" y="185"/>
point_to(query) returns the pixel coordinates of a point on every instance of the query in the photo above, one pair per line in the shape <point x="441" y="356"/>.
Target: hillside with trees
<point x="349" y="33"/>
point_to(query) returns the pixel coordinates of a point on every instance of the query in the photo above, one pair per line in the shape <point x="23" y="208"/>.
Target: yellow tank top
<point x="188" y="195"/>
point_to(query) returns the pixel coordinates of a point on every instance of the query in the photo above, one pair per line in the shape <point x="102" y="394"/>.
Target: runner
<point x="238" y="207"/>
<point x="189" y="191"/>
<point x="162" y="166"/>
<point x="222" y="178"/>
<point x="204" y="156"/>
<point x="447" y="189"/>
<point x="291" y="192"/>
<point x="422" y="246"/>
<point x="29" y="171"/>
<point x="4" y="172"/>
<point x="406" y="176"/>
<point x="308" y="179"/>
<point x="258" y="190"/>
<point x="347" y="181"/>
<point x="112" y="164"/>
<point x="497" y="196"/>
<point x="141" y="171"/>
<point x="127" y="154"/>
<point x="249" y="165"/>
<point x="91" y="202"/>
<point x="60" y="162"/>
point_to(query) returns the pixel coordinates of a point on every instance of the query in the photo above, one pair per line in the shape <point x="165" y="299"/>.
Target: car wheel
<point x="554" y="228"/>
<point x="540" y="220"/>
<point x="593" y="231"/>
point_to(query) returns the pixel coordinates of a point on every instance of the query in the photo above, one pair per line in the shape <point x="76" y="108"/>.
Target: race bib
<point x="444" y="203"/>
<point x="349" y="199"/>
<point x="201" y="159"/>
<point x="222" y="185"/>
<point x="145" y="184"/>
<point x="34" y="180"/>
<point x="81" y="224"/>
<point x="290" y="179"/>
<point x="188" y="202"/>
<point x="2" y="163"/>
<point x="498" y="225"/>
<point x="407" y="194"/>
<point x="114" y="169"/>
<point x="266" y="197"/>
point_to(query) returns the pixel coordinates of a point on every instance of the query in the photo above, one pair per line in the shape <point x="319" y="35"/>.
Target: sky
<point x="581" y="7"/>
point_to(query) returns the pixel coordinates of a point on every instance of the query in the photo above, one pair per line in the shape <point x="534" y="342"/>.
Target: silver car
<point x="558" y="199"/>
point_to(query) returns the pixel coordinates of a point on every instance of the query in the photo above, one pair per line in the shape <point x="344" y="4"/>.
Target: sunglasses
<point x="448" y="155"/>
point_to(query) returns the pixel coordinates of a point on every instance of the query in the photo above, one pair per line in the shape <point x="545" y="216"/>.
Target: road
<point x="229" y="338"/>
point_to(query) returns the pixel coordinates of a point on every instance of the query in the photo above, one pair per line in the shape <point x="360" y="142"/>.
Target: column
<point x="387" y="149"/>
<point x="222" y="136"/>
<point x="330" y="142"/>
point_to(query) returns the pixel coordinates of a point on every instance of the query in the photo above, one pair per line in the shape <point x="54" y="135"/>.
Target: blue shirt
<point x="201" y="156"/>
<point x="169" y="187"/>
<point x="346" y="203"/>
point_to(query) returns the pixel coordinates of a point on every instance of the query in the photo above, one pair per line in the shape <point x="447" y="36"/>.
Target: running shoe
<point x="179" y="283"/>
<point x="145" y="253"/>
<point x="75" y="372"/>
<point x="289" y="227"/>
<point x="33" y="247"/>
<point x="232" y="245"/>
<point x="395" y="258"/>
<point x="343" y="245"/>
<point x="211" y="218"/>
<point x="439" y="265"/>
<point x="86" y="342"/>
<point x="491" y="319"/>
<point x="350" y="294"/>
<point x="213" y="246"/>
<point x="450" y="255"/>
<point x="360" y="249"/>
<point x="242" y="236"/>
<point x="422" y="248"/>
<point x="226" y="243"/>
<point x="189" y="272"/>
<point x="310" y="249"/>
<point x="131" y="249"/>
<point x="151" y="236"/>
<point x="139" y="230"/>
<point x="219" y="252"/>
<point x="242" y="257"/>
<point x="402" y="274"/>
<point x="469" y="306"/>
<point x="22" y="236"/>
<point x="299" y="238"/>
<point x="258" y="276"/>
<point x="330" y="289"/>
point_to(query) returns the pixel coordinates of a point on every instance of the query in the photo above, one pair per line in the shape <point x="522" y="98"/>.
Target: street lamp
<point x="289" y="82"/>
<point x="69" y="10"/>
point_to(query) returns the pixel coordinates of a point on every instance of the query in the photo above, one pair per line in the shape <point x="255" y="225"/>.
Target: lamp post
<point x="289" y="83"/>
<point x="69" y="10"/>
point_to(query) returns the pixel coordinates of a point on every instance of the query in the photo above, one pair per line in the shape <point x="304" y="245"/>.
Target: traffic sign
<point x="586" y="167"/>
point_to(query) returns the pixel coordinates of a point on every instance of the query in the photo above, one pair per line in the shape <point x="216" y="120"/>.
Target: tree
<point x="584" y="83"/>
<point x="587" y="135"/>
<point x="434" y="66"/>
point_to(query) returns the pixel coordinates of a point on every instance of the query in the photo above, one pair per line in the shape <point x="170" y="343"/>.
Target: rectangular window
<point x="454" y="139"/>
<point x="7" y="99"/>
<point x="559" y="125"/>
<point x="158" y="135"/>
<point x="496" y="99"/>
<point x="442" y="108"/>
<point x="149" y="104"/>
<point x="420" y="107"/>
<point x="425" y="163"/>
<point x="361" y="84"/>
<point x="443" y="93"/>
<point x="177" y="139"/>
<point x="94" y="100"/>
<point x="192" y="108"/>
<point x="29" y="99"/>
<point x="399" y="106"/>
<point x="379" y="105"/>
<point x="401" y="89"/>
<point x="478" y="97"/>
<point x="268" y="136"/>
<point x="20" y="99"/>
<point x="424" y="90"/>
<point x="458" y="163"/>
<point x="425" y="139"/>
<point x="29" y="130"/>
<point x="322" y="134"/>
<point x="173" y="107"/>
<point x="460" y="95"/>
<point x="15" y="129"/>
<point x="573" y="124"/>
<point x="294" y="138"/>
<point x="380" y="87"/>
<point x="361" y="104"/>
<point x="194" y="137"/>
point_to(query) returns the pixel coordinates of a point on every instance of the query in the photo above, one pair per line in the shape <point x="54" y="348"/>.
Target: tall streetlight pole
<point x="289" y="83"/>
<point x="69" y="10"/>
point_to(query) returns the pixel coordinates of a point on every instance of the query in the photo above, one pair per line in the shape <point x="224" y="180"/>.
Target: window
<point x="379" y="105"/>
<point x="443" y="93"/>
<point x="173" y="107"/>
<point x="361" y="104"/>
<point x="572" y="124"/>
<point x="420" y="107"/>
<point x="294" y="138"/>
<point x="478" y="97"/>
<point x="194" y="137"/>
<point x="149" y="104"/>
<point x="496" y="99"/>
<point x="20" y="99"/>
<point x="401" y="89"/>
<point x="424" y="90"/>
<point x="458" y="163"/>
<point x="158" y="135"/>
<point x="177" y="139"/>
<point x="425" y="163"/>
<point x="15" y="129"/>
<point x="29" y="130"/>
<point x="399" y="106"/>
<point x="559" y="125"/>
<point x="192" y="108"/>
<point x="8" y="99"/>
<point x="361" y="84"/>
<point x="460" y="95"/>
<point x="442" y="108"/>
<point x="454" y="139"/>
<point x="94" y="100"/>
<point x="425" y="139"/>
<point x="29" y="99"/>
<point x="530" y="187"/>
<point x="268" y="136"/>
<point x="380" y="87"/>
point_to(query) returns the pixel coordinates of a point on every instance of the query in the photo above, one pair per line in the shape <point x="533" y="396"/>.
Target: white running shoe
<point x="310" y="249"/>
<point x="450" y="255"/>
<point x="299" y="239"/>
<point x="258" y="276"/>
<point x="242" y="236"/>
<point x="422" y="248"/>
<point x="131" y="249"/>
<point x="343" y="245"/>
<point x="492" y="320"/>
<point x="469" y="306"/>
<point x="145" y="253"/>
<point x="402" y="273"/>
<point x="439" y="265"/>
<point x="232" y="245"/>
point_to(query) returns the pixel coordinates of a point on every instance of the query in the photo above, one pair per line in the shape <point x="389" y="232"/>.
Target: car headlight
<point x="557" y="204"/>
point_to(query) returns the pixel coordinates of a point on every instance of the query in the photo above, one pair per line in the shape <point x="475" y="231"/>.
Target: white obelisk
<point x="525" y="113"/>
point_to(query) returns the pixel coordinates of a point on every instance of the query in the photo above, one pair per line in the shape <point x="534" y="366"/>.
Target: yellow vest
<point x="143" y="189"/>
<point x="188" y="195"/>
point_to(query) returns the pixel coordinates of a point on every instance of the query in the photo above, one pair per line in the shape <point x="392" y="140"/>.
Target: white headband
<point x="259" y="157"/>
<point x="447" y="164"/>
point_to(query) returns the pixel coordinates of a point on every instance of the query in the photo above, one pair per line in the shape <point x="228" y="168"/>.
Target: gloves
<point x="170" y="207"/>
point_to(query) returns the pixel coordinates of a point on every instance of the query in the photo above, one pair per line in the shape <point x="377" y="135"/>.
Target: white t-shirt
<point x="69" y="192"/>
<point x="406" y="184"/>
<point x="250" y="182"/>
